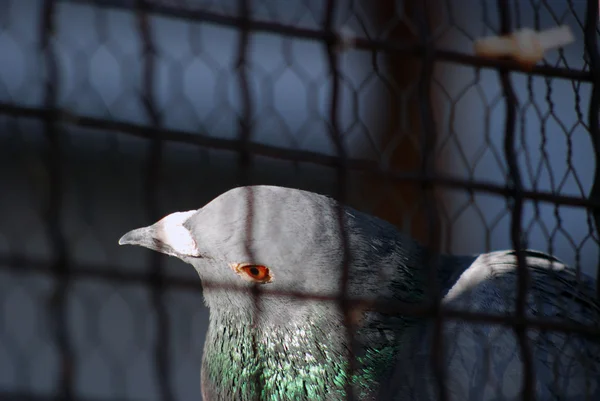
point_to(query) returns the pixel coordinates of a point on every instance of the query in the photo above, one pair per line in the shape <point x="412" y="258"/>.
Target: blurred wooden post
<point x="407" y="155"/>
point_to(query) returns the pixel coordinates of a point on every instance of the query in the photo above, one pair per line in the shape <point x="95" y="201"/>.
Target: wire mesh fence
<point x="115" y="113"/>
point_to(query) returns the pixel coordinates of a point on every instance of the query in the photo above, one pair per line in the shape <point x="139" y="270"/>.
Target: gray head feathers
<point x="295" y="234"/>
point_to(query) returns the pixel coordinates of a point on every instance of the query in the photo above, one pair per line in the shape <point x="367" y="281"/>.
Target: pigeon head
<point x="273" y="237"/>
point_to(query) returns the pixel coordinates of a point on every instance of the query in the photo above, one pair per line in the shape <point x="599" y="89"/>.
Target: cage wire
<point x="115" y="113"/>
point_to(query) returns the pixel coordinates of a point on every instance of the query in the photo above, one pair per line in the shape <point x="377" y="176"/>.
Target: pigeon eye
<point x="256" y="271"/>
<point x="252" y="272"/>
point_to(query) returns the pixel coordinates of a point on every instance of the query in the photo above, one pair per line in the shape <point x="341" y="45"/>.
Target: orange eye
<point x="257" y="273"/>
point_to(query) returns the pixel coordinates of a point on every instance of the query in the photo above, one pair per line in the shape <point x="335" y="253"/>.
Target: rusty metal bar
<point x="152" y="179"/>
<point x="371" y="44"/>
<point x="510" y="101"/>
<point x="52" y="212"/>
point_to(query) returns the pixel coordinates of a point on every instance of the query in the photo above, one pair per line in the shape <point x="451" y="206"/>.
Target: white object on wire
<point x="526" y="45"/>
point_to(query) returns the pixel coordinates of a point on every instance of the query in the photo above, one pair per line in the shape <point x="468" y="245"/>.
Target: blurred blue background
<point x="112" y="326"/>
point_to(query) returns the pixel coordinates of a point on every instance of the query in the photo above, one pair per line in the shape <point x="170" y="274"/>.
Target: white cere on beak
<point x="170" y="231"/>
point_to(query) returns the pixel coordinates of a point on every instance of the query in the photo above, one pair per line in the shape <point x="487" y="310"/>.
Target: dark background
<point x="99" y="136"/>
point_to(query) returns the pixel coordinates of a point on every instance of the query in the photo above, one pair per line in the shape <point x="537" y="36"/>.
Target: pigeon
<point x="257" y="249"/>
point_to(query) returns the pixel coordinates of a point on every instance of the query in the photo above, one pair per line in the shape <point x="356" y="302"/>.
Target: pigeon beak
<point x="136" y="237"/>
<point x="167" y="236"/>
<point x="148" y="237"/>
